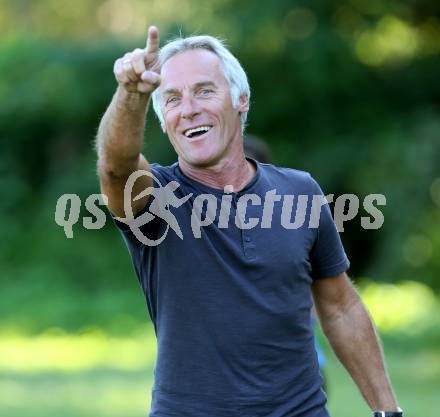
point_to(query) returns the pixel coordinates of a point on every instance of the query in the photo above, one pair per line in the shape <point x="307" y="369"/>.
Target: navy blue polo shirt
<point x="229" y="294"/>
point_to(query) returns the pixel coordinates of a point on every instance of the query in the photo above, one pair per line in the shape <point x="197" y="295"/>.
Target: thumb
<point x="151" y="77"/>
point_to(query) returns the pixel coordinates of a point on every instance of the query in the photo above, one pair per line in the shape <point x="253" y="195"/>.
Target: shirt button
<point x="247" y="239"/>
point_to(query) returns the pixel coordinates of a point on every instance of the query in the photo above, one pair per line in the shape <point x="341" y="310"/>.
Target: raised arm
<point x="121" y="131"/>
<point x="353" y="338"/>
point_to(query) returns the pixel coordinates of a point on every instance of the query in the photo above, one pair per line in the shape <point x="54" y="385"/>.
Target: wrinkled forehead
<point x="190" y="67"/>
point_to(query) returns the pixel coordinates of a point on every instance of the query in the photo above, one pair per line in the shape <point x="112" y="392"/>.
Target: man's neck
<point x="235" y="173"/>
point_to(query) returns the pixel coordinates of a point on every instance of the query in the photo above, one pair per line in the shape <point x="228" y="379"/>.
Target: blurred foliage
<point x="109" y="391"/>
<point x="346" y="90"/>
<point x="114" y="344"/>
<point x="95" y="372"/>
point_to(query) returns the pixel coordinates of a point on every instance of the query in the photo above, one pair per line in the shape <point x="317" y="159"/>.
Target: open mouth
<point x="195" y="132"/>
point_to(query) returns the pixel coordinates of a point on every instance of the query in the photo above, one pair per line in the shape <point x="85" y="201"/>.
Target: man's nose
<point x="189" y="107"/>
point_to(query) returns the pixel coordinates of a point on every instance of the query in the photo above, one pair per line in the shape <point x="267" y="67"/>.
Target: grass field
<point x="97" y="375"/>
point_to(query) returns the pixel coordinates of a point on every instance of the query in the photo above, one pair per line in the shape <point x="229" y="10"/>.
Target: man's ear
<point x="244" y="103"/>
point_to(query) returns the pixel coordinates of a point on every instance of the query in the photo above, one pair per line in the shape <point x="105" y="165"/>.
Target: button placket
<point x="247" y="241"/>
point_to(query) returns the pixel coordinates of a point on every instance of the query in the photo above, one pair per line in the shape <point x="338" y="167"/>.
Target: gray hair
<point x="233" y="71"/>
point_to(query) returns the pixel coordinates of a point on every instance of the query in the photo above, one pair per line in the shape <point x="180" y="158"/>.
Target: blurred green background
<point x="347" y="90"/>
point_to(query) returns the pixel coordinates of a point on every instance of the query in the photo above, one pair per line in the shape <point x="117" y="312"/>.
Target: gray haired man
<point x="230" y="306"/>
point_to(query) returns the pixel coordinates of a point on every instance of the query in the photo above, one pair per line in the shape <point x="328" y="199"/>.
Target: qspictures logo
<point x="206" y="208"/>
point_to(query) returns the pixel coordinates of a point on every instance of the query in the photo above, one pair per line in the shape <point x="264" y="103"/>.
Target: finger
<point x="138" y="62"/>
<point x="145" y="88"/>
<point x="151" y="77"/>
<point x="152" y="40"/>
<point x="129" y="70"/>
<point x="150" y="81"/>
<point x="121" y="76"/>
<point x="155" y="66"/>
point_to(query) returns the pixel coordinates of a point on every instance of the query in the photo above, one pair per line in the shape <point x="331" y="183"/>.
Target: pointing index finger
<point x="152" y="40"/>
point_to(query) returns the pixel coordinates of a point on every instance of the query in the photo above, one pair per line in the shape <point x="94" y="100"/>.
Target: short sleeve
<point x="328" y="258"/>
<point x="151" y="228"/>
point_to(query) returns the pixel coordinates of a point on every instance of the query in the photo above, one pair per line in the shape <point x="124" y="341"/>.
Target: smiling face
<point x="200" y="121"/>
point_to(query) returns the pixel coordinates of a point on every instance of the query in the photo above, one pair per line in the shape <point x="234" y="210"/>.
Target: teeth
<point x="189" y="132"/>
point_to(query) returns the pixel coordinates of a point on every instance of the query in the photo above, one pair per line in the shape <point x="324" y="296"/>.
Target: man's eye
<point x="172" y="100"/>
<point x="205" y="92"/>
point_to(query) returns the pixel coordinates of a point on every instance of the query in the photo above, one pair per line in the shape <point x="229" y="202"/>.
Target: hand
<point x="138" y="71"/>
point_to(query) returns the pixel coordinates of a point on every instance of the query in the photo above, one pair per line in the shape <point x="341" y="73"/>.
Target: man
<point x="229" y="289"/>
